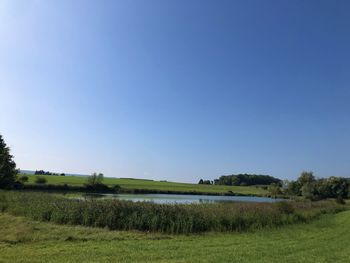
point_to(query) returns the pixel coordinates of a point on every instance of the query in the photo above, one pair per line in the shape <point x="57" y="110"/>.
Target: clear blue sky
<point x="177" y="90"/>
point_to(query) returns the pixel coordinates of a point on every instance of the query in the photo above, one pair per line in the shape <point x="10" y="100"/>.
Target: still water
<point x="182" y="199"/>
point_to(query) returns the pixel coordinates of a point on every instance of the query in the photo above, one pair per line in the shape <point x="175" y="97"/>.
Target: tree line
<point x="243" y="180"/>
<point x="42" y="172"/>
<point x="310" y="187"/>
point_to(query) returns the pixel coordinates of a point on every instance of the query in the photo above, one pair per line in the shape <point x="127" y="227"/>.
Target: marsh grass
<point x="165" y="218"/>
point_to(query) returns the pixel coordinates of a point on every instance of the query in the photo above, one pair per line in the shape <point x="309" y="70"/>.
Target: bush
<point x="40" y="180"/>
<point x="308" y="191"/>
<point x="116" y="188"/>
<point x="340" y="200"/>
<point x="23" y="178"/>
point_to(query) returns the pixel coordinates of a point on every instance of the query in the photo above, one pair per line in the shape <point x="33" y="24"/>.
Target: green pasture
<point x="132" y="184"/>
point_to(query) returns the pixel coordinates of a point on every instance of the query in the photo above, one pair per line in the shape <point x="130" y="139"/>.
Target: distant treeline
<point x="42" y="172"/>
<point x="243" y="180"/>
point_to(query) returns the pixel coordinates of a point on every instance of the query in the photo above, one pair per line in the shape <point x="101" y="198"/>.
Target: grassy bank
<point x="174" y="219"/>
<point x="323" y="240"/>
<point x="143" y="186"/>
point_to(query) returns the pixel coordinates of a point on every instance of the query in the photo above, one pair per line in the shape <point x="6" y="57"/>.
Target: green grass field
<point x="323" y="240"/>
<point x="132" y="184"/>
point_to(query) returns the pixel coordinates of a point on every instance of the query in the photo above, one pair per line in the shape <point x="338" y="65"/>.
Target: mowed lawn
<point x="323" y="240"/>
<point x="155" y="185"/>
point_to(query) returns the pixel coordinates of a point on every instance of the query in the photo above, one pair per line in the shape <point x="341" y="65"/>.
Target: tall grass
<point x="167" y="218"/>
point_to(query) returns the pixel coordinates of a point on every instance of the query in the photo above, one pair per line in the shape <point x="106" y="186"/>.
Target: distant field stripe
<point x="139" y="184"/>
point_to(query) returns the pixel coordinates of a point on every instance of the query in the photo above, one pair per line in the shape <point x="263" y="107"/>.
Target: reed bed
<point x="166" y="218"/>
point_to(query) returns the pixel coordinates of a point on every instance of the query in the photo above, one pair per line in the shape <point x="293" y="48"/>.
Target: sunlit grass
<point x="132" y="184"/>
<point x="323" y="240"/>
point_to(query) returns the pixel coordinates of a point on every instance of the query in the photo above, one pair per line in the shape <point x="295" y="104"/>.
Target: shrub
<point x="40" y="180"/>
<point x="308" y="191"/>
<point x="340" y="200"/>
<point x="116" y="188"/>
<point x="23" y="178"/>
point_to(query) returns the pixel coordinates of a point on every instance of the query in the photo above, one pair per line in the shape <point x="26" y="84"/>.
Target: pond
<point x="181" y="199"/>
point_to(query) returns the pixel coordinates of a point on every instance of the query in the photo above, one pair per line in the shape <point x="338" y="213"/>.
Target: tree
<point x="206" y="182"/>
<point x="306" y="177"/>
<point x="247" y="179"/>
<point x="200" y="181"/>
<point x="7" y="166"/>
<point x="294" y="188"/>
<point x="335" y="187"/>
<point x="308" y="191"/>
<point x="95" y="179"/>
<point x="274" y="189"/>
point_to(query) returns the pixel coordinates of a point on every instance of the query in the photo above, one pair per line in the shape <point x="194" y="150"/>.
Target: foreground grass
<point x="139" y="184"/>
<point x="165" y="218"/>
<point x="324" y="240"/>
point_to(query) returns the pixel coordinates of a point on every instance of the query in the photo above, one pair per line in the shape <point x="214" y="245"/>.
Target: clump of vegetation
<point x="274" y="190"/>
<point x="42" y="172"/>
<point x="94" y="184"/>
<point x="167" y="218"/>
<point x="23" y="178"/>
<point x="40" y="180"/>
<point x="7" y="166"/>
<point x="201" y="181"/>
<point x="95" y="179"/>
<point x="311" y="188"/>
<point x="247" y="179"/>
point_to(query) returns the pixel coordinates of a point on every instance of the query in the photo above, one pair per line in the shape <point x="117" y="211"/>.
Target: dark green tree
<point x="7" y="166"/>
<point x="247" y="179"/>
<point x="337" y="187"/>
<point x="294" y="188"/>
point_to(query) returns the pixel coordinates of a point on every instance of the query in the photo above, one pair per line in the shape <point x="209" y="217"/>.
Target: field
<point x="132" y="184"/>
<point x="323" y="240"/>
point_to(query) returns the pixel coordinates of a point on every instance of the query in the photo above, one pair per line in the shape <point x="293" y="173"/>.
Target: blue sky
<point x="177" y="90"/>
